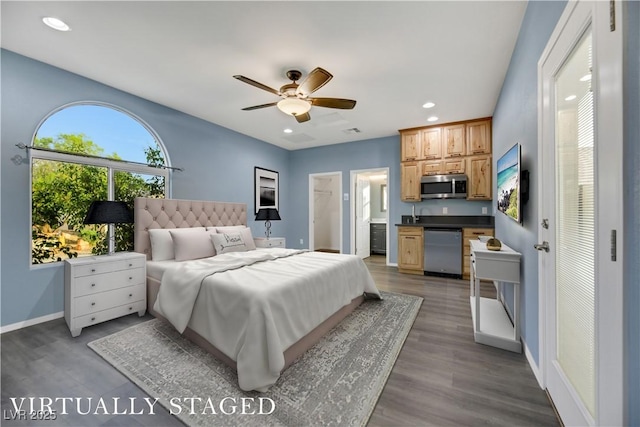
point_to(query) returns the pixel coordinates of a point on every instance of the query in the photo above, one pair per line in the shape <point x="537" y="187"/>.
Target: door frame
<point x="609" y="304"/>
<point x="311" y="238"/>
<point x="352" y="206"/>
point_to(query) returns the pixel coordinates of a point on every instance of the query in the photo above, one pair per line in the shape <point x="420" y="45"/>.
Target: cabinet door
<point x="410" y="145"/>
<point x="454" y="141"/>
<point x="410" y="181"/>
<point x="433" y="167"/>
<point x="454" y="166"/>
<point x="431" y="143"/>
<point x="479" y="137"/>
<point x="410" y="253"/>
<point x="479" y="172"/>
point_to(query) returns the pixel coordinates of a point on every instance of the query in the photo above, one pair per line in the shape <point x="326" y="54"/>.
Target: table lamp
<point x="267" y="215"/>
<point x="109" y="212"/>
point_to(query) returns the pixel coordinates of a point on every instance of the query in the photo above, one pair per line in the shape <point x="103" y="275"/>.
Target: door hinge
<point x="612" y="15"/>
<point x="613" y="245"/>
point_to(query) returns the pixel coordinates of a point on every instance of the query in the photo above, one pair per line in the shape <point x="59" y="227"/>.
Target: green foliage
<point x="512" y="210"/>
<point x="47" y="247"/>
<point x="62" y="193"/>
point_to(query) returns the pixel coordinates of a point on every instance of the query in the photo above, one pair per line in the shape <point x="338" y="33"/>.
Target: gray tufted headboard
<point x="173" y="213"/>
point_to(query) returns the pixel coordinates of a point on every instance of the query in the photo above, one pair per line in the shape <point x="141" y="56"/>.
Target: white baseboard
<point x="393" y="264"/>
<point x="31" y="322"/>
<point x="532" y="363"/>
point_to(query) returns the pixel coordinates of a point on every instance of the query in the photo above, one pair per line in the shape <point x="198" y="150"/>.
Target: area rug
<point x="336" y="382"/>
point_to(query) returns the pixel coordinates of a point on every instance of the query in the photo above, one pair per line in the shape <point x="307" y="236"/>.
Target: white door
<point x="580" y="209"/>
<point x="363" y="216"/>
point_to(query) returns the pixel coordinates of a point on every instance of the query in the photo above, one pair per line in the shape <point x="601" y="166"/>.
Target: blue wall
<point x="516" y="120"/>
<point x="367" y="154"/>
<point x="218" y="165"/>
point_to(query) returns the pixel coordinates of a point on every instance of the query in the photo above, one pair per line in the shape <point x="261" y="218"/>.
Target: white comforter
<point x="254" y="305"/>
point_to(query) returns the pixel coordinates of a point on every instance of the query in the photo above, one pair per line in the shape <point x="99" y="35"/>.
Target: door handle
<point x="544" y="246"/>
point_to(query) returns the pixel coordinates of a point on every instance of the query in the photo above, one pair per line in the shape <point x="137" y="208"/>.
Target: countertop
<point x="448" y="221"/>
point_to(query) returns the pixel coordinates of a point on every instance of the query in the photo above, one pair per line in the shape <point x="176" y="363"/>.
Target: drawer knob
<point x="130" y="295"/>
<point x="93" y="270"/>
<point x="93" y="318"/>
<point x="130" y="308"/>
<point x="93" y="285"/>
<point x="130" y="265"/>
<point x="93" y="303"/>
<point x="130" y="278"/>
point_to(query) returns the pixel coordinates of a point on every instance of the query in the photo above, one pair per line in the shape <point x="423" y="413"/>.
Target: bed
<point x="256" y="310"/>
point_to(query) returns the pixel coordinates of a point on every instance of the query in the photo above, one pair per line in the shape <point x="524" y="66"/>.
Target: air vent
<point x="351" y="130"/>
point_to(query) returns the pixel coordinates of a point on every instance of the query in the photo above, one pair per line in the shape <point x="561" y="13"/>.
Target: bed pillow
<point x="233" y="229"/>
<point x="192" y="243"/>
<point x="231" y="242"/>
<point x="161" y="244"/>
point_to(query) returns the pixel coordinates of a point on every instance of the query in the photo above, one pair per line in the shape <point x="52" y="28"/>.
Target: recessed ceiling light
<point x="55" y="23"/>
<point x="432" y="119"/>
<point x="585" y="78"/>
<point x="570" y="98"/>
<point x="428" y="105"/>
<point x="287" y="130"/>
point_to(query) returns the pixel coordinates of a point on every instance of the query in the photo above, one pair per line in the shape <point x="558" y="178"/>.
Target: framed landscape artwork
<point x="266" y="188"/>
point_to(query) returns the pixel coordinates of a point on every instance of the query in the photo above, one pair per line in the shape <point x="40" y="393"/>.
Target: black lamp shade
<point x="108" y="212"/>
<point x="268" y="214"/>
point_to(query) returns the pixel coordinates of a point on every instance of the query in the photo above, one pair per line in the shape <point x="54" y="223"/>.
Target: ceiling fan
<point x="295" y="97"/>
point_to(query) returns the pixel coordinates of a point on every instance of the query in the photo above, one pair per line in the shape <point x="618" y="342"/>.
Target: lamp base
<point x="268" y="231"/>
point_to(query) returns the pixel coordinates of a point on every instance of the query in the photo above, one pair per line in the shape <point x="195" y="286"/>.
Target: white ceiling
<point x="389" y="56"/>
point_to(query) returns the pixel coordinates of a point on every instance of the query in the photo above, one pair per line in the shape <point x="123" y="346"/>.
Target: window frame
<point x="111" y="166"/>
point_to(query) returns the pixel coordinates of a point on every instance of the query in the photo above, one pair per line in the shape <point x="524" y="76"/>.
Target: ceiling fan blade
<point x="256" y="84"/>
<point x="302" y="117"/>
<point x="343" y="104"/>
<point x="314" y="81"/>
<point x="255" y="107"/>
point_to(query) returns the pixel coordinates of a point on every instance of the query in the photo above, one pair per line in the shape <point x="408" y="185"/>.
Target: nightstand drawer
<point x="91" y="269"/>
<point x="106" y="282"/>
<point x="112" y="313"/>
<point x="274" y="242"/>
<point x="105" y="300"/>
<point x="100" y="288"/>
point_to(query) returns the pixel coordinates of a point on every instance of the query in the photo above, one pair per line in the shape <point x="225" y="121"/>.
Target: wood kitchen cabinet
<point x="454" y="142"/>
<point x="479" y="177"/>
<point x="467" y="235"/>
<point x="410" y="145"/>
<point x="411" y="250"/>
<point x="479" y="137"/>
<point x="454" y="166"/>
<point x="432" y="167"/>
<point x="410" y="181"/>
<point x="431" y="140"/>
<point x="455" y="148"/>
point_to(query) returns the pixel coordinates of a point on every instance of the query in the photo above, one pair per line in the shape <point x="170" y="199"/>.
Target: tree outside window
<point x="75" y="171"/>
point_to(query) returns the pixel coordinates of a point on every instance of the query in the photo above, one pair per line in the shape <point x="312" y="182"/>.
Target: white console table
<point x="491" y="323"/>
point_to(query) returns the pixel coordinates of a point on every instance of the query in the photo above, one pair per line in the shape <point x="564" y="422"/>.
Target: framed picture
<point x="266" y="188"/>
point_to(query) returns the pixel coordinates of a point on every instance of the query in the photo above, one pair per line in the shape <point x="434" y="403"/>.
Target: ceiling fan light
<point x="294" y="106"/>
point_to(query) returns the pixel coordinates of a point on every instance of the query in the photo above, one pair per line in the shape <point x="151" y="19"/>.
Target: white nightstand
<point x="100" y="288"/>
<point x="272" y="242"/>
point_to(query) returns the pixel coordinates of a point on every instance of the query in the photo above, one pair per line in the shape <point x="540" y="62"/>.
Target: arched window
<point x="84" y="153"/>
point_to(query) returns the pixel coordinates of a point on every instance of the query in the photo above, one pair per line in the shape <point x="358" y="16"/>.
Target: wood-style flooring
<point x="441" y="377"/>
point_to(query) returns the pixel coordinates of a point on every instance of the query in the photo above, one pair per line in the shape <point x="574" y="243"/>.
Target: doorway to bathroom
<point x="369" y="233"/>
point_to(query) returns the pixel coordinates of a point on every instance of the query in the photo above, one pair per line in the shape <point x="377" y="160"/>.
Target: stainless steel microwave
<point x="443" y="187"/>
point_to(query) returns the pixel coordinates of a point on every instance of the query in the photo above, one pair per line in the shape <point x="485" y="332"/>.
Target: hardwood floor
<point x="442" y="377"/>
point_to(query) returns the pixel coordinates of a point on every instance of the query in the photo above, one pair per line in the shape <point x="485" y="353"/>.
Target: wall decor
<point x="266" y="188"/>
